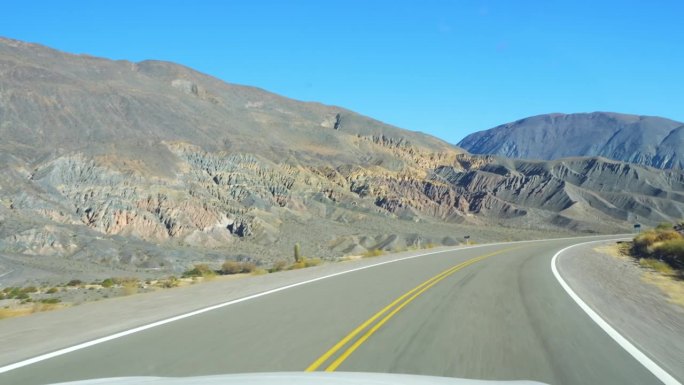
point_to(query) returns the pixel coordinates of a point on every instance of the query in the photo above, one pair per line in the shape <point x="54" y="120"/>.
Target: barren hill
<point x="143" y="168"/>
<point x="645" y="140"/>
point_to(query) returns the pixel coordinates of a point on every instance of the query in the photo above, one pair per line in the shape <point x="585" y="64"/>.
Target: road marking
<point x="9" y="272"/>
<point x="124" y="333"/>
<point x="643" y="359"/>
<point x="397" y="304"/>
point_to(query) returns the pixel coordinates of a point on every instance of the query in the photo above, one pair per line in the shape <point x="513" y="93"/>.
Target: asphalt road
<point x="503" y="316"/>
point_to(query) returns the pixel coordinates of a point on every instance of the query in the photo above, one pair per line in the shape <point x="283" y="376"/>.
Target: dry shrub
<point x="278" y="266"/>
<point x="14" y="312"/>
<point x="169" y="282"/>
<point x="668" y="235"/>
<point x="234" y="267"/>
<point x="644" y="241"/>
<point x="664" y="245"/>
<point x="373" y="253"/>
<point x="200" y="270"/>
<point x="304" y="263"/>
<point x="130" y="289"/>
<point x="656" y="265"/>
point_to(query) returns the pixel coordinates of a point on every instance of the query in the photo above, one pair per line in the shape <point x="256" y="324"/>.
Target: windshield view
<point x="341" y="192"/>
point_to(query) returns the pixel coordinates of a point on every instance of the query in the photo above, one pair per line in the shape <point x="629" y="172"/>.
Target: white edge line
<point x="124" y="333"/>
<point x="643" y="359"/>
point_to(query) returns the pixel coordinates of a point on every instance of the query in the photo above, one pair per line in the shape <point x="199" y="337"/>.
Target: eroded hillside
<point x="111" y="167"/>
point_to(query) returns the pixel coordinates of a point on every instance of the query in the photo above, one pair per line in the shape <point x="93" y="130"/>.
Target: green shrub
<point x="109" y="282"/>
<point x="50" y="300"/>
<point x="52" y="290"/>
<point x="29" y="289"/>
<point x="664" y="226"/>
<point x="22" y="296"/>
<point x="11" y="292"/>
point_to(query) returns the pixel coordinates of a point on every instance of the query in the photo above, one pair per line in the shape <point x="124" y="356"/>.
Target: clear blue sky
<point x="448" y="68"/>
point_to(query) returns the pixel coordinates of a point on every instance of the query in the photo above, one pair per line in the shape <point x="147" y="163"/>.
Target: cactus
<point x="297" y="253"/>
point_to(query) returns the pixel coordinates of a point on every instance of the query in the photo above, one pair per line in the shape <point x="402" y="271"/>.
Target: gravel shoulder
<point x="617" y="289"/>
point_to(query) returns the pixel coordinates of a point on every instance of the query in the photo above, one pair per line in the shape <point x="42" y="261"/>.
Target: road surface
<point x="489" y="312"/>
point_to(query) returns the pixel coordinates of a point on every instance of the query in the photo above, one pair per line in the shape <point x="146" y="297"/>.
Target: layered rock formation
<point x="150" y="166"/>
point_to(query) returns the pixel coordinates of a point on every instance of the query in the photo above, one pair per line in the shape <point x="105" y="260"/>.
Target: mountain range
<point x="646" y="140"/>
<point x="114" y="167"/>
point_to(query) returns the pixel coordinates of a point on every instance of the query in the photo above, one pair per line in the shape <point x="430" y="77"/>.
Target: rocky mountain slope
<point x="645" y="140"/>
<point x="115" y="168"/>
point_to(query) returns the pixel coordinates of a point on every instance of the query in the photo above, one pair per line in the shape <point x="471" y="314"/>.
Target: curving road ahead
<point x="487" y="312"/>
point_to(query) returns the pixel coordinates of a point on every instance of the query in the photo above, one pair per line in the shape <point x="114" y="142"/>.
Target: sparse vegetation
<point x="75" y="282"/>
<point x="373" y="253"/>
<point x="50" y="300"/>
<point x="663" y="244"/>
<point x="129" y="285"/>
<point x="24" y="309"/>
<point x="18" y="293"/>
<point x="664" y="226"/>
<point x="13" y="312"/>
<point x="200" y="270"/>
<point x="30" y="289"/>
<point x="304" y="263"/>
<point x="673" y="249"/>
<point x="169" y="282"/>
<point x="278" y="266"/>
<point x="656" y="265"/>
<point x="234" y="267"/>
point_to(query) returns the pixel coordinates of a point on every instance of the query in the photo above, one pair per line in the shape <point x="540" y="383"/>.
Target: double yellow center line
<point x="391" y="309"/>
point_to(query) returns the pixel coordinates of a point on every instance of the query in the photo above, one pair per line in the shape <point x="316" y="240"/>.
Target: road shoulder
<point x="613" y="287"/>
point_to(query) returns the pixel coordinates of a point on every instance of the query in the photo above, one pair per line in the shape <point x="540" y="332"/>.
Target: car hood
<point x="297" y="378"/>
